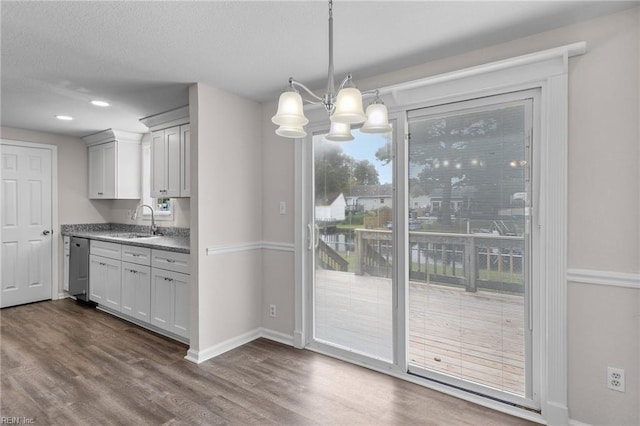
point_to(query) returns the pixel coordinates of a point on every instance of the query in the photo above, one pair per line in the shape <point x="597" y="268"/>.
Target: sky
<point x="364" y="147"/>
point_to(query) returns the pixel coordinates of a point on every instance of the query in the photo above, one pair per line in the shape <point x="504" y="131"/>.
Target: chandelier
<point x="344" y="108"/>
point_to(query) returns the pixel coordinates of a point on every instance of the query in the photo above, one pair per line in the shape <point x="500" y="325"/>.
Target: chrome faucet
<point x="154" y="228"/>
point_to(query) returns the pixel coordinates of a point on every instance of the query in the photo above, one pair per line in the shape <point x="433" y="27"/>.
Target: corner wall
<point x="603" y="206"/>
<point x="226" y="220"/>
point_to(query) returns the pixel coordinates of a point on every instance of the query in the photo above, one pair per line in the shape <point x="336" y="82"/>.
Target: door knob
<point x="46" y="232"/>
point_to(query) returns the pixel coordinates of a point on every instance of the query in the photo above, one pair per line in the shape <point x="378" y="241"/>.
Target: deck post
<point x="359" y="253"/>
<point x="470" y="263"/>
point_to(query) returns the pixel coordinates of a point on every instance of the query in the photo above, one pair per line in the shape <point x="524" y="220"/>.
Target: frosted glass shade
<point x="377" y="119"/>
<point x="349" y="107"/>
<point x="291" y="131"/>
<point x="290" y="112"/>
<point x="339" y="132"/>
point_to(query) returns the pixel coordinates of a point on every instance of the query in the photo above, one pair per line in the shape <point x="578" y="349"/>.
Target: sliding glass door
<point x="353" y="244"/>
<point x="468" y="246"/>
<point x="420" y="253"/>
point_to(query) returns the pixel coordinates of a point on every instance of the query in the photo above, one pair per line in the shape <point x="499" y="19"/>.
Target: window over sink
<point x="163" y="207"/>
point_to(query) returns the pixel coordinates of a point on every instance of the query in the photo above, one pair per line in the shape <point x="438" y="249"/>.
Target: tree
<point x="469" y="149"/>
<point x="365" y="173"/>
<point x="333" y="170"/>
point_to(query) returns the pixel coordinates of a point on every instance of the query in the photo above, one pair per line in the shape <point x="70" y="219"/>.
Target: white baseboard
<point x="276" y="336"/>
<point x="198" y="357"/>
<point x="222" y="347"/>
<point x="63" y="295"/>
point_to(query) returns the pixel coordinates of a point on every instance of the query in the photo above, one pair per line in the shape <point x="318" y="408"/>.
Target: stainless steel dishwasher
<point x="79" y="269"/>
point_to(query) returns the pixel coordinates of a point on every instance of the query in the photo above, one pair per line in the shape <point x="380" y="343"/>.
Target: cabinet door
<point x="172" y="139"/>
<point x="182" y="311"/>
<point x="158" y="161"/>
<point x="185" y="160"/>
<point x="136" y="291"/>
<point x="161" y="299"/>
<point x="170" y="301"/>
<point x="110" y="169"/>
<point x="96" y="172"/>
<point x="96" y="279"/>
<point x="113" y="279"/>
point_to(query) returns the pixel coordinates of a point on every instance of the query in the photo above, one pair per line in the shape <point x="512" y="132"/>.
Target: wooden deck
<point x="474" y="336"/>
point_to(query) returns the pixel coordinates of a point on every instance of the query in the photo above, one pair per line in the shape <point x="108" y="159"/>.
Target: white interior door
<point x="26" y="225"/>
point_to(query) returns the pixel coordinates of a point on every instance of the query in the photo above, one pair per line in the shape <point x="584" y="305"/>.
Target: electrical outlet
<point x="615" y="379"/>
<point x="272" y="311"/>
<point x="283" y="207"/>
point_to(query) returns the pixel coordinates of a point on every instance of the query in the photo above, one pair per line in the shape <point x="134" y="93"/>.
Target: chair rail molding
<point x="608" y="278"/>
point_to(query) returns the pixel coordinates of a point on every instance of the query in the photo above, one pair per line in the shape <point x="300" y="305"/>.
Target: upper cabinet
<point x="170" y="152"/>
<point x="114" y="164"/>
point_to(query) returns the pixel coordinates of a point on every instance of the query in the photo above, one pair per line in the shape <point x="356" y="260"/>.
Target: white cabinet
<point x="136" y="291"/>
<point x="105" y="274"/>
<point x="114" y="164"/>
<point x="170" y="303"/>
<point x="102" y="170"/>
<point x="67" y="256"/>
<point x="170" y="165"/>
<point x="170" y="153"/>
<point x="104" y="281"/>
<point x="151" y="286"/>
<point x="185" y="160"/>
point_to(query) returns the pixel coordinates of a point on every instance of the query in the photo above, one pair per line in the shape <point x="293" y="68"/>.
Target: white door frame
<point x="56" y="240"/>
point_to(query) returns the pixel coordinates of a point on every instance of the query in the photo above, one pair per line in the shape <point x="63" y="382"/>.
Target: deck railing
<point x="330" y="259"/>
<point x="469" y="260"/>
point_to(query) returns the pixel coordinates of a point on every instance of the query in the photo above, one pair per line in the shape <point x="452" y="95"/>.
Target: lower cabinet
<point x="136" y="291"/>
<point x="170" y="301"/>
<point x="104" y="276"/>
<point x="145" y="284"/>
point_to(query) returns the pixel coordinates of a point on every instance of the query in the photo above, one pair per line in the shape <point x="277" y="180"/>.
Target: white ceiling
<point x="56" y="56"/>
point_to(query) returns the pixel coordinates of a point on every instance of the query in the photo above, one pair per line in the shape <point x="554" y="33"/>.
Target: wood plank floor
<point x="473" y="336"/>
<point x="64" y="364"/>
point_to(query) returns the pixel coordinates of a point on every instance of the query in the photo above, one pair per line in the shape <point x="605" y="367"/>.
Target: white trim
<point x="55" y="226"/>
<point x="546" y="71"/>
<point x="276" y="336"/>
<point x="164" y="120"/>
<point x="111" y="135"/>
<point x="198" y="357"/>
<point x="608" y="278"/>
<point x="269" y="245"/>
<point x="253" y="245"/>
<point x="222" y="347"/>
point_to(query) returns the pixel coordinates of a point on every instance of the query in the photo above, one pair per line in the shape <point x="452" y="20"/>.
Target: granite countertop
<point x="170" y="239"/>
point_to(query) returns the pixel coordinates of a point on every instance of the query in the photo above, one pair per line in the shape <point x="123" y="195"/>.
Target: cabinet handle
<point x="168" y="279"/>
<point x="170" y="260"/>
<point x="100" y="193"/>
<point x="103" y="264"/>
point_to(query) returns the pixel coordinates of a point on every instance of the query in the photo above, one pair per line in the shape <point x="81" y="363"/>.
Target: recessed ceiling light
<point x="64" y="117"/>
<point x="100" y="103"/>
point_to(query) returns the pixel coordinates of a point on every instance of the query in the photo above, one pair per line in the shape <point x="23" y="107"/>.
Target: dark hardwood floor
<point x="65" y="364"/>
